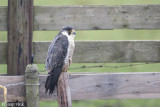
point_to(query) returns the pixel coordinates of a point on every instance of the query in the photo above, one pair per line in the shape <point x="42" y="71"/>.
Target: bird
<point x="59" y="56"/>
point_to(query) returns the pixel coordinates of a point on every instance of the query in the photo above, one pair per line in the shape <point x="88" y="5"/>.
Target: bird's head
<point x="68" y="31"/>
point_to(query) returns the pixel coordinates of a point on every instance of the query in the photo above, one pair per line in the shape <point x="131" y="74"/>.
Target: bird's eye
<point x="69" y="32"/>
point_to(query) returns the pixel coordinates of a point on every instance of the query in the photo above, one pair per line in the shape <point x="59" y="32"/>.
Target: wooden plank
<point x="63" y="92"/>
<point x="106" y="51"/>
<point x="32" y="85"/>
<point x="3" y="74"/>
<point x="31" y="25"/>
<point x="16" y="92"/>
<point x="100" y="51"/>
<point x="94" y="86"/>
<point x="3" y="52"/>
<point x="20" y="30"/>
<point x="97" y="17"/>
<point x="115" y="86"/>
<point x="93" y="17"/>
<point x="3" y="18"/>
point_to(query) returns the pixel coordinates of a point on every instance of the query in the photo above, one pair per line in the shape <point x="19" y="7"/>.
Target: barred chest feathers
<point x="71" y="47"/>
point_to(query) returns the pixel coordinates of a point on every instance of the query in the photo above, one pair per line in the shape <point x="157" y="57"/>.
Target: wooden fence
<point x="88" y="86"/>
<point x="92" y="17"/>
<point x="100" y="51"/>
<point x="85" y="86"/>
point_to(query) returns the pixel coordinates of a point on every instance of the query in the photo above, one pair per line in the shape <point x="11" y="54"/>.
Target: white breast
<point x="71" y="47"/>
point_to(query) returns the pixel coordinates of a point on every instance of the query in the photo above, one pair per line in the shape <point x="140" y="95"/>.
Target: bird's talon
<point x="68" y="71"/>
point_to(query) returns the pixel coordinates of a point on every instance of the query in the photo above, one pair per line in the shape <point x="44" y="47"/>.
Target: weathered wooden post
<point x="32" y="85"/>
<point x="64" y="94"/>
<point x="20" y="29"/>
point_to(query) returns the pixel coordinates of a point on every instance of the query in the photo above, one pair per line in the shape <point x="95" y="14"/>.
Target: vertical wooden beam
<point x="30" y="11"/>
<point x="20" y="30"/>
<point x="64" y="94"/>
<point x="32" y="86"/>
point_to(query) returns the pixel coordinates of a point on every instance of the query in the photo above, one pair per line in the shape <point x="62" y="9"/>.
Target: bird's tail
<point x="52" y="80"/>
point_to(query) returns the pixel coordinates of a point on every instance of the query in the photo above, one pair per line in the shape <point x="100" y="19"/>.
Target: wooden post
<point x="20" y="29"/>
<point x="64" y="94"/>
<point x="32" y="86"/>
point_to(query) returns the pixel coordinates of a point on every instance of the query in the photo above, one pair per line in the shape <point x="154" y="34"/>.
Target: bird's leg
<point x="68" y="71"/>
<point x="65" y="69"/>
<point x="70" y="61"/>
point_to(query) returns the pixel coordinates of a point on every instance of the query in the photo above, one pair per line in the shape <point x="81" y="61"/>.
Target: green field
<point x="99" y="35"/>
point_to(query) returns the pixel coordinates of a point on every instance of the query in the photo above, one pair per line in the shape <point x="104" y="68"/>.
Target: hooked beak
<point x="73" y="32"/>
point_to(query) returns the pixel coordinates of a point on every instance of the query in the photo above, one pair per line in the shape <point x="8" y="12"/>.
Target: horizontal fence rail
<point x="100" y="51"/>
<point x="92" y="17"/>
<point x="88" y="86"/>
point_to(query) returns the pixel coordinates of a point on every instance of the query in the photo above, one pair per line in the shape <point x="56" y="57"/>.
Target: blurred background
<point x="98" y="35"/>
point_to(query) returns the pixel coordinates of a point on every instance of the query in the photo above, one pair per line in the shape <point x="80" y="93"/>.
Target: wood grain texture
<point x="93" y="17"/>
<point x="32" y="91"/>
<point x="64" y="94"/>
<point x="107" y="51"/>
<point x="114" y="86"/>
<point x="100" y="51"/>
<point x="3" y="52"/>
<point x="13" y="92"/>
<point x="3" y="18"/>
<point x="20" y="30"/>
<point x="88" y="86"/>
<point x="97" y="17"/>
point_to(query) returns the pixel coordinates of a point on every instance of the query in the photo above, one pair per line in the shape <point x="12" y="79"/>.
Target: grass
<point x="99" y="35"/>
<point x="109" y="103"/>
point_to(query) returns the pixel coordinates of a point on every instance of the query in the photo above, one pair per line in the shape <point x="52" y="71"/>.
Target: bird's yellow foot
<point x="68" y="71"/>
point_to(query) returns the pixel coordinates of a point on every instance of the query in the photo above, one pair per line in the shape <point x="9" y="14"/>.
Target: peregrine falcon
<point x="59" y="56"/>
